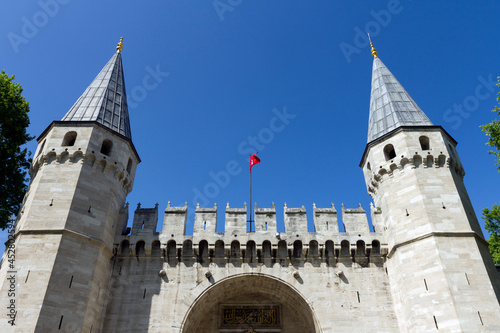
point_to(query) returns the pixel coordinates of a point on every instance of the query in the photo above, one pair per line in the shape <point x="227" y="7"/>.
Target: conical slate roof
<point x="390" y="105"/>
<point x="105" y="100"/>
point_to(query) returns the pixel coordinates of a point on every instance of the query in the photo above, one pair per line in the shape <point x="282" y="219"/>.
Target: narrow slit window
<point x="129" y="166"/>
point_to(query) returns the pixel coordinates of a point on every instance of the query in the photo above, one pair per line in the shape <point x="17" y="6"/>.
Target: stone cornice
<point x="436" y="234"/>
<point x="97" y="241"/>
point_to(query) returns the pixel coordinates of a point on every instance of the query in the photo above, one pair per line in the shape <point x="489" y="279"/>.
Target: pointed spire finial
<point x="374" y="51"/>
<point x="119" y="47"/>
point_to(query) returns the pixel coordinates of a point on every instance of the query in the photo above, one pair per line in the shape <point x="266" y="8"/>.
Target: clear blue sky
<point x="230" y="63"/>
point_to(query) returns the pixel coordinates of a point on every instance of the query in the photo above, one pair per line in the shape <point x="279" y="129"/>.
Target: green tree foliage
<point x="492" y="130"/>
<point x="494" y="248"/>
<point x="492" y="224"/>
<point x="492" y="217"/>
<point x="492" y="220"/>
<point x="14" y="159"/>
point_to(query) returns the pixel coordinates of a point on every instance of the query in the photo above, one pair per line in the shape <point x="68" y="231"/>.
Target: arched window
<point x="106" y="147"/>
<point x="171" y="249"/>
<point x="360" y="248"/>
<point x="389" y="152"/>
<point x="329" y="249"/>
<point x="235" y="249"/>
<point x="368" y="166"/>
<point x="424" y="143"/>
<point x="251" y="252"/>
<point x="266" y="249"/>
<point x="187" y="248"/>
<point x="155" y="248"/>
<point x="139" y="248"/>
<point x="344" y="248"/>
<point x="297" y="249"/>
<point x="129" y="166"/>
<point x="375" y="247"/>
<point x="219" y="249"/>
<point x="203" y="249"/>
<point x="124" y="248"/>
<point x="282" y="250"/>
<point x="313" y="249"/>
<point x="69" y="139"/>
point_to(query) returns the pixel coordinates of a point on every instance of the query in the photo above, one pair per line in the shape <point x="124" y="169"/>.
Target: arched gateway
<point x="250" y="303"/>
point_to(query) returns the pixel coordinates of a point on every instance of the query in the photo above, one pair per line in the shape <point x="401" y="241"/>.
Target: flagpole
<point x="253" y="160"/>
<point x="250" y="218"/>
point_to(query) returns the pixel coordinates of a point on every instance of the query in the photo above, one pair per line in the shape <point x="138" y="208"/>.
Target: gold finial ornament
<point x="374" y="51"/>
<point x="119" y="47"/>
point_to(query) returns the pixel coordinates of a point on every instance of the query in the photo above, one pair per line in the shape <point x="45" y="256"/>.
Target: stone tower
<point x="82" y="171"/>
<point x="440" y="271"/>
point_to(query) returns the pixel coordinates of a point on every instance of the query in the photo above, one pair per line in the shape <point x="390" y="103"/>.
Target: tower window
<point x="140" y="248"/>
<point x="389" y="152"/>
<point x="297" y="249"/>
<point x="129" y="165"/>
<point x="235" y="249"/>
<point x="106" y="147"/>
<point x="171" y="249"/>
<point x="155" y="248"/>
<point x="69" y="139"/>
<point x="424" y="143"/>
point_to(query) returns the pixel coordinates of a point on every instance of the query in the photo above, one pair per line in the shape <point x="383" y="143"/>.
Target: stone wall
<point x="321" y="280"/>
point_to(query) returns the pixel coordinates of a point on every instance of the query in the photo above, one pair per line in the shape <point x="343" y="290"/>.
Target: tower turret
<point x="82" y="171"/>
<point x="440" y="270"/>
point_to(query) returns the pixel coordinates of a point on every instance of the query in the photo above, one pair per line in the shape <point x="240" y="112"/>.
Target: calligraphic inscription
<point x="255" y="316"/>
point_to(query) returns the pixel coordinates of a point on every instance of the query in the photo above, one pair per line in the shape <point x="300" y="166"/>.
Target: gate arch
<point x="250" y="291"/>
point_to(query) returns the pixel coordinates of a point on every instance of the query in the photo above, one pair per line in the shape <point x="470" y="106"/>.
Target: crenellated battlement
<point x="99" y="162"/>
<point x="325" y="241"/>
<point x="420" y="160"/>
<point x="405" y="149"/>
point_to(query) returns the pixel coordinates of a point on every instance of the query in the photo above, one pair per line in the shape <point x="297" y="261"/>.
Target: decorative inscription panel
<point x="240" y="316"/>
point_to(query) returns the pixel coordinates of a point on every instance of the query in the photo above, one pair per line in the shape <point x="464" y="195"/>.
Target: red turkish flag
<point x="254" y="160"/>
